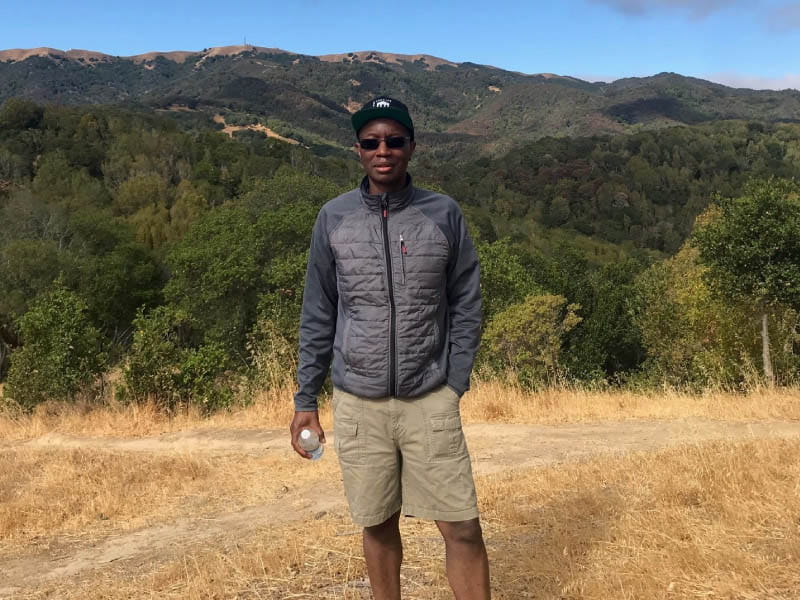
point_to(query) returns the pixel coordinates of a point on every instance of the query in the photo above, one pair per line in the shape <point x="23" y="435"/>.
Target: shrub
<point x="61" y="353"/>
<point x="527" y="337"/>
<point x="164" y="366"/>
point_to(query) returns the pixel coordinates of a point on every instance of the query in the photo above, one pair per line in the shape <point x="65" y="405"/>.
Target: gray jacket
<point x="392" y="294"/>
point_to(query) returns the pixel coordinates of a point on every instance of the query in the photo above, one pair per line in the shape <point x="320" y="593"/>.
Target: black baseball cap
<point x="383" y="107"/>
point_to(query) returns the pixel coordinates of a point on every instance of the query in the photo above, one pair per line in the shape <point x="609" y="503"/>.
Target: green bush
<point x="528" y="337"/>
<point x="61" y="353"/>
<point x="696" y="338"/>
<point x="164" y="367"/>
<point x="504" y="278"/>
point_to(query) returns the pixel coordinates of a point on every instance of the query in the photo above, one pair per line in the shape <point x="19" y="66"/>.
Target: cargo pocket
<point x="445" y="439"/>
<point x="348" y="442"/>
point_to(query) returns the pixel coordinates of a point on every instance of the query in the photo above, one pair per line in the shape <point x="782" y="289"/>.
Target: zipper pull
<point x="403" y="248"/>
<point x="385" y="204"/>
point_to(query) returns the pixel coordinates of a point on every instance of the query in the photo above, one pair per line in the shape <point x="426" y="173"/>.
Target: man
<point x="392" y="295"/>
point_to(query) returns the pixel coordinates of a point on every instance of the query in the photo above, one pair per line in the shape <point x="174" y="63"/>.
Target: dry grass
<point x="715" y="521"/>
<point x="488" y="401"/>
<point x="496" y="401"/>
<point x="693" y="522"/>
<point x="86" y="493"/>
<point x="265" y="409"/>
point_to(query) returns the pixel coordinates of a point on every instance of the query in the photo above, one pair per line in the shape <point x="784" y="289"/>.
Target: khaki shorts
<point x="404" y="452"/>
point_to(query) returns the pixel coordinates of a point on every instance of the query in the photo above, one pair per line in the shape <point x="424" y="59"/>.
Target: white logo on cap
<point x="382" y="104"/>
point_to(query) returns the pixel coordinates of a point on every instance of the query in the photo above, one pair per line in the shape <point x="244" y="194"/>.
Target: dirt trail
<point x="494" y="447"/>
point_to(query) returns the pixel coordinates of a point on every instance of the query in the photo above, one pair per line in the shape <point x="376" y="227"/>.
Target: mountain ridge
<point x="458" y="107"/>
<point x="179" y="56"/>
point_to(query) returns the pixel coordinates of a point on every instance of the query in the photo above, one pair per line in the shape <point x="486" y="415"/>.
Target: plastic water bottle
<point x="309" y="441"/>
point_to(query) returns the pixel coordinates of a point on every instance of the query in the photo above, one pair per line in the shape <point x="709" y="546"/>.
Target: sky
<point x="740" y="43"/>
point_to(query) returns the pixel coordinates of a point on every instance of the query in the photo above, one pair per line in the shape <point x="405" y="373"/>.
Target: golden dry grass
<point x="713" y="521"/>
<point x="265" y="409"/>
<point x="496" y="401"/>
<point x="488" y="401"/>
<point x="89" y="493"/>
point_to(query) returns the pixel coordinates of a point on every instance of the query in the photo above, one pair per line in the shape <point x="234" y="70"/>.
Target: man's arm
<point x="317" y="331"/>
<point x="318" y="318"/>
<point x="464" y="301"/>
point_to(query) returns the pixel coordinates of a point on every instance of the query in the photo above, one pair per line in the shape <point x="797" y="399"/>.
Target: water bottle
<point x="309" y="441"/>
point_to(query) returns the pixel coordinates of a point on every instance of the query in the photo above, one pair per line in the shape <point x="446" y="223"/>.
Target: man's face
<point x="385" y="167"/>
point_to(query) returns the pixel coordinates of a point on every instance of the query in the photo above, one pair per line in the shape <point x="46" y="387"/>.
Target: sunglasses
<point x="394" y="141"/>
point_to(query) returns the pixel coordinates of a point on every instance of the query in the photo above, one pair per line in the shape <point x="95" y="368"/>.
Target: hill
<point x="458" y="106"/>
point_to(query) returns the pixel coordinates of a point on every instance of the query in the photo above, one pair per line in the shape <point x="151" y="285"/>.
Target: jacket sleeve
<point x="318" y="318"/>
<point x="464" y="304"/>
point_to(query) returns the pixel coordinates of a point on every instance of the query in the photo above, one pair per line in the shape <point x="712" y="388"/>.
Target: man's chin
<point x="390" y="180"/>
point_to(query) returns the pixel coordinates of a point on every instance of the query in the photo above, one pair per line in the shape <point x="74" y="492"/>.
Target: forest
<point x="149" y="256"/>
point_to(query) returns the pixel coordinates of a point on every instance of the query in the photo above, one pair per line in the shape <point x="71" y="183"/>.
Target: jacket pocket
<point x="346" y="341"/>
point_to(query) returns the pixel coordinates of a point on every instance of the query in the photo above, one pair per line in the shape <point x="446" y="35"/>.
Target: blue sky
<point x="737" y="42"/>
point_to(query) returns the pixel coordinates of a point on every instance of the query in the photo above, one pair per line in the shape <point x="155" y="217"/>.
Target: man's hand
<point x="305" y="420"/>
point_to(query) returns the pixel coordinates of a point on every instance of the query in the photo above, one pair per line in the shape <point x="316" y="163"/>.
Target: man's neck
<point x="377" y="189"/>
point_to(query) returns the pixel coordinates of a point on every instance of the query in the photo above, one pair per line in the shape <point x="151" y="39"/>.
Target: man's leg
<point x="467" y="563"/>
<point x="383" y="552"/>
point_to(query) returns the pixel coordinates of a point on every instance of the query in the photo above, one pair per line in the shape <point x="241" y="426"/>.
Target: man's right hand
<point x="305" y="420"/>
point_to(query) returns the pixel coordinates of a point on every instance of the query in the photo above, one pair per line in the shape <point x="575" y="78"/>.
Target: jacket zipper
<point x="392" y="312"/>
<point x="403" y="252"/>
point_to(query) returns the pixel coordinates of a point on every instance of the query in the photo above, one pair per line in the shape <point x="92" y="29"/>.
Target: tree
<point x="751" y="246"/>
<point x="216" y="275"/>
<point x="7" y="340"/>
<point x="691" y="335"/>
<point x="18" y="113"/>
<point x="61" y="353"/>
<point x="528" y="336"/>
<point x="27" y="269"/>
<point x="607" y="342"/>
<point x="505" y="280"/>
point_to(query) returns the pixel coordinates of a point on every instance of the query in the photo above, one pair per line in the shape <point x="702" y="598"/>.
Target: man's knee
<point x="390" y="528"/>
<point x="462" y="532"/>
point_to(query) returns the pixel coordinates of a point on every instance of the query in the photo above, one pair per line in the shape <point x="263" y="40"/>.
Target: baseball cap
<point x="383" y="107"/>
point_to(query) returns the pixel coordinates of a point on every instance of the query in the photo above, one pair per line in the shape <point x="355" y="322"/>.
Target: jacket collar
<point x="395" y="200"/>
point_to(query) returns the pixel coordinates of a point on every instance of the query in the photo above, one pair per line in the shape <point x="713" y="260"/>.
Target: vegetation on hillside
<point x="176" y="253"/>
<point x="462" y="107"/>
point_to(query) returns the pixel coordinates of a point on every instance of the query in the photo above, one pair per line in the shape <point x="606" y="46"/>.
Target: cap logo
<point x="382" y="103"/>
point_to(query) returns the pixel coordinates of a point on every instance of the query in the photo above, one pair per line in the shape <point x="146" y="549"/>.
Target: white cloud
<point x="756" y="82"/>
<point x="696" y="8"/>
<point x="784" y="18"/>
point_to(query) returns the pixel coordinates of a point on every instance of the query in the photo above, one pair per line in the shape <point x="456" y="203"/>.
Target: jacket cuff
<point x="304" y="402"/>
<point x="457" y="388"/>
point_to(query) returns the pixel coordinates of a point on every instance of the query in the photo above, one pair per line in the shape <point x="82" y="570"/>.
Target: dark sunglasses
<point x="394" y="141"/>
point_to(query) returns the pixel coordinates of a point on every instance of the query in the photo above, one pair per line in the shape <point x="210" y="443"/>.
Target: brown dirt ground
<point x="494" y="448"/>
